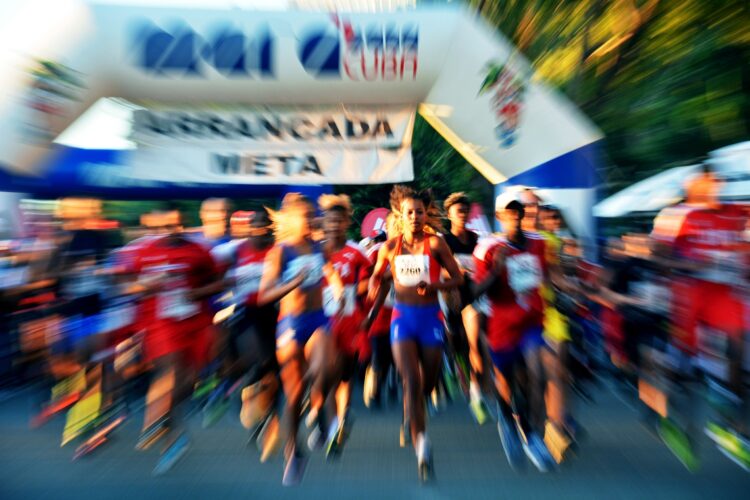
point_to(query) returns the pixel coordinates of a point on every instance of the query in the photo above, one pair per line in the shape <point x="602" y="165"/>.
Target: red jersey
<point x="714" y="237"/>
<point x="247" y="272"/>
<point x="411" y="269"/>
<point x="353" y="267"/>
<point x="515" y="298"/>
<point x="127" y="256"/>
<point x="172" y="321"/>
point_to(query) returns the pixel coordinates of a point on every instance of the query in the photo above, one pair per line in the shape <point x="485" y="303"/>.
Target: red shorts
<point x="346" y="331"/>
<point x="696" y="302"/>
<point x="507" y="324"/>
<point x="614" y="336"/>
<point x="195" y="345"/>
<point x="382" y="323"/>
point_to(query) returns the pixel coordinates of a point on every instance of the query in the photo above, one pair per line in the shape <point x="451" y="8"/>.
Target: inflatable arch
<point x="246" y="103"/>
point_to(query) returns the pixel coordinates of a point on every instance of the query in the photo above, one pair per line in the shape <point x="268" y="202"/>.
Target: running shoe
<point x="217" y="405"/>
<point x="557" y="441"/>
<point x="405" y="434"/>
<point x="257" y="402"/>
<point x="82" y="416"/>
<point x="478" y="407"/>
<point x="678" y="443"/>
<point x="113" y="419"/>
<point x="315" y="440"/>
<point x="437" y="400"/>
<point x="346" y="427"/>
<point x="53" y="408"/>
<point x="730" y="443"/>
<point x="271" y="442"/>
<point x="294" y="470"/>
<point x="152" y="434"/>
<point x="332" y="441"/>
<point x="537" y="452"/>
<point x="450" y="381"/>
<point x="424" y="459"/>
<point x="89" y="446"/>
<point x="262" y="429"/>
<point x="172" y="454"/>
<point x="462" y="373"/>
<point x="255" y="431"/>
<point x="511" y="442"/>
<point x="370" y="387"/>
<point x="204" y="387"/>
<point x="312" y="418"/>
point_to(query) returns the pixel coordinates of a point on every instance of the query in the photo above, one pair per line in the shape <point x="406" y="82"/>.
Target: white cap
<point x="505" y="198"/>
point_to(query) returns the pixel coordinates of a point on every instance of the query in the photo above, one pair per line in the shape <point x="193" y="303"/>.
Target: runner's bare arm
<point x="377" y="274"/>
<point x="270" y="290"/>
<point x="364" y="276"/>
<point x="385" y="287"/>
<point x="332" y="276"/>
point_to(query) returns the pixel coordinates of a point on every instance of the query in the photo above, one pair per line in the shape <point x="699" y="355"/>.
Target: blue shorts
<point x="299" y="328"/>
<point x="75" y="331"/>
<point x="533" y="339"/>
<point x="504" y="361"/>
<point x="422" y="324"/>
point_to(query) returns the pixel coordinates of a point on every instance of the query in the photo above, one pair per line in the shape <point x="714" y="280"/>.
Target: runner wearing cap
<point x="510" y="268"/>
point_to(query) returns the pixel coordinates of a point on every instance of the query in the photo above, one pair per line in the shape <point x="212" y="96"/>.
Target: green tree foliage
<point x="437" y="166"/>
<point x="666" y="80"/>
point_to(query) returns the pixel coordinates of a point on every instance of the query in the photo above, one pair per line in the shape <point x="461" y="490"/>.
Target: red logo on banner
<point x="374" y="222"/>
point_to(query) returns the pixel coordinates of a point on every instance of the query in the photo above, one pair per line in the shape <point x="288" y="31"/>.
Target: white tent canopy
<point x="732" y="163"/>
<point x="649" y="195"/>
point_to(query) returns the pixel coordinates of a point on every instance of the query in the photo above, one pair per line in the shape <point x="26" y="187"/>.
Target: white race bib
<point x="524" y="272"/>
<point x="465" y="262"/>
<point x="724" y="267"/>
<point x="713" y="351"/>
<point x="248" y="279"/>
<point x="655" y="296"/>
<point x="118" y="317"/>
<point x="174" y="304"/>
<point x="412" y="269"/>
<point x="346" y="304"/>
<point x="313" y="263"/>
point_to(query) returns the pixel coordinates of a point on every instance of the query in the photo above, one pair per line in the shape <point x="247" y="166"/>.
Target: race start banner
<point x="341" y="145"/>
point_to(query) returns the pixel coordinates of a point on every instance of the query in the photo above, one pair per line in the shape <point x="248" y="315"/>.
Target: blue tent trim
<point x="66" y="167"/>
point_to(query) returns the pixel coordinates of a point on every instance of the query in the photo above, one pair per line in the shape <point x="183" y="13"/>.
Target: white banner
<point x="257" y="129"/>
<point x="473" y="86"/>
<point x="270" y="146"/>
<point x="272" y="166"/>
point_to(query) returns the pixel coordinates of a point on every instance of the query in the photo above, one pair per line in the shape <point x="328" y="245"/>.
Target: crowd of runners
<point x="277" y="309"/>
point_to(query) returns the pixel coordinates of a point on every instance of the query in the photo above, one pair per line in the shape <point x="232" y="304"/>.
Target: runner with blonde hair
<point x="294" y="273"/>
